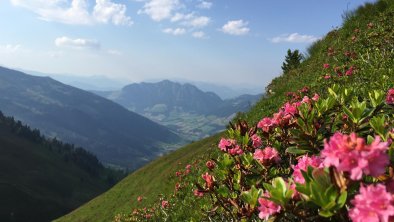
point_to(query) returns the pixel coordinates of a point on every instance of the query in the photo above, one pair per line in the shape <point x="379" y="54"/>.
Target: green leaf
<point x="251" y="197"/>
<point x="295" y="150"/>
<point x="342" y="199"/>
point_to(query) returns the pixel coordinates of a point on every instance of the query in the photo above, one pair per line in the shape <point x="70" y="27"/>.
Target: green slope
<point x="158" y="177"/>
<point x="41" y="180"/>
<point x="155" y="178"/>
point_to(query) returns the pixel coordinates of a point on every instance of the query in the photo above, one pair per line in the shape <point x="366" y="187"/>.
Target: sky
<point x="228" y="42"/>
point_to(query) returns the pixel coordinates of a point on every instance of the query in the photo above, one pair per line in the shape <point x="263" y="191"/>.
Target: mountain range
<point x="182" y="107"/>
<point x="116" y="135"/>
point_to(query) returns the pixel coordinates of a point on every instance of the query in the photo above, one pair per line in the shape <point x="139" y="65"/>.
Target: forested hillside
<point x="43" y="179"/>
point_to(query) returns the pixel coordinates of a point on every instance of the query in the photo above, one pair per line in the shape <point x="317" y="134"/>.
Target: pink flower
<point x="373" y="203"/>
<point x="327" y="77"/>
<point x="224" y="143"/>
<point x="236" y="150"/>
<point x="267" y="156"/>
<point x="210" y="164"/>
<point x="306" y="99"/>
<point x="198" y="193"/>
<point x="256" y="141"/>
<point x="326" y="65"/>
<point x="267" y="207"/>
<point x="390" y="97"/>
<point x="230" y="146"/>
<point x="305" y="89"/>
<point x="208" y="180"/>
<point x="315" y="97"/>
<point x="376" y="157"/>
<point x="178" y="173"/>
<point x="349" y="72"/>
<point x="165" y="204"/>
<point x="188" y="166"/>
<point x="266" y="124"/>
<point x="139" y="198"/>
<point x="303" y="163"/>
<point x="290" y="109"/>
<point x="349" y="153"/>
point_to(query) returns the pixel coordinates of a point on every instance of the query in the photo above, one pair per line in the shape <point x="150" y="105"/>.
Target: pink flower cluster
<point x="373" y="203"/>
<point x="266" y="124"/>
<point x="267" y="156"/>
<point x="230" y="146"/>
<point x="303" y="163"/>
<point x="390" y="97"/>
<point x="267" y="207"/>
<point x="208" y="180"/>
<point x="256" y="141"/>
<point x="165" y="204"/>
<point x="349" y="153"/>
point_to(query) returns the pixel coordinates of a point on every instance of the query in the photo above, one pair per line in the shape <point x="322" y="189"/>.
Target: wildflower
<point x="373" y="203"/>
<point x="290" y="109"/>
<point x="305" y="89"/>
<point x="306" y="99"/>
<point x="224" y="143"/>
<point x="165" y="204"/>
<point x="266" y="124"/>
<point x="208" y="180"/>
<point x="188" y="166"/>
<point x="139" y="198"/>
<point x="349" y="153"/>
<point x="256" y="141"/>
<point x="390" y="96"/>
<point x="303" y="163"/>
<point x="178" y="173"/>
<point x="350" y="71"/>
<point x="198" y="193"/>
<point x="315" y="97"/>
<point x="267" y="156"/>
<point x="267" y="207"/>
<point x="326" y="65"/>
<point x="230" y="146"/>
<point x="210" y="164"/>
<point x="327" y="77"/>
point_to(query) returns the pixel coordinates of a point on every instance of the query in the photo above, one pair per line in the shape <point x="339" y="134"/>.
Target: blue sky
<point x="220" y="41"/>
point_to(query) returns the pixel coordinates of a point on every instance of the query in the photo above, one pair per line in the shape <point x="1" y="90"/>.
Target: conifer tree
<point x="292" y="60"/>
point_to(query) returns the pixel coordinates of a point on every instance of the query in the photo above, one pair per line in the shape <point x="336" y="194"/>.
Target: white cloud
<point x="10" y="48"/>
<point x="205" y="5"/>
<point x="294" y="38"/>
<point x="236" y="27"/>
<point x="198" y="22"/>
<point x="159" y="9"/>
<point x="77" y="43"/>
<point x="77" y="11"/>
<point x="177" y="31"/>
<point x="191" y="20"/>
<point x="105" y="11"/>
<point x="199" y="35"/>
<point x="179" y="17"/>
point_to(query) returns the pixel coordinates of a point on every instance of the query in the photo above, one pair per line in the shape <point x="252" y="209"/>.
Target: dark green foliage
<point x="292" y="60"/>
<point x="43" y="179"/>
